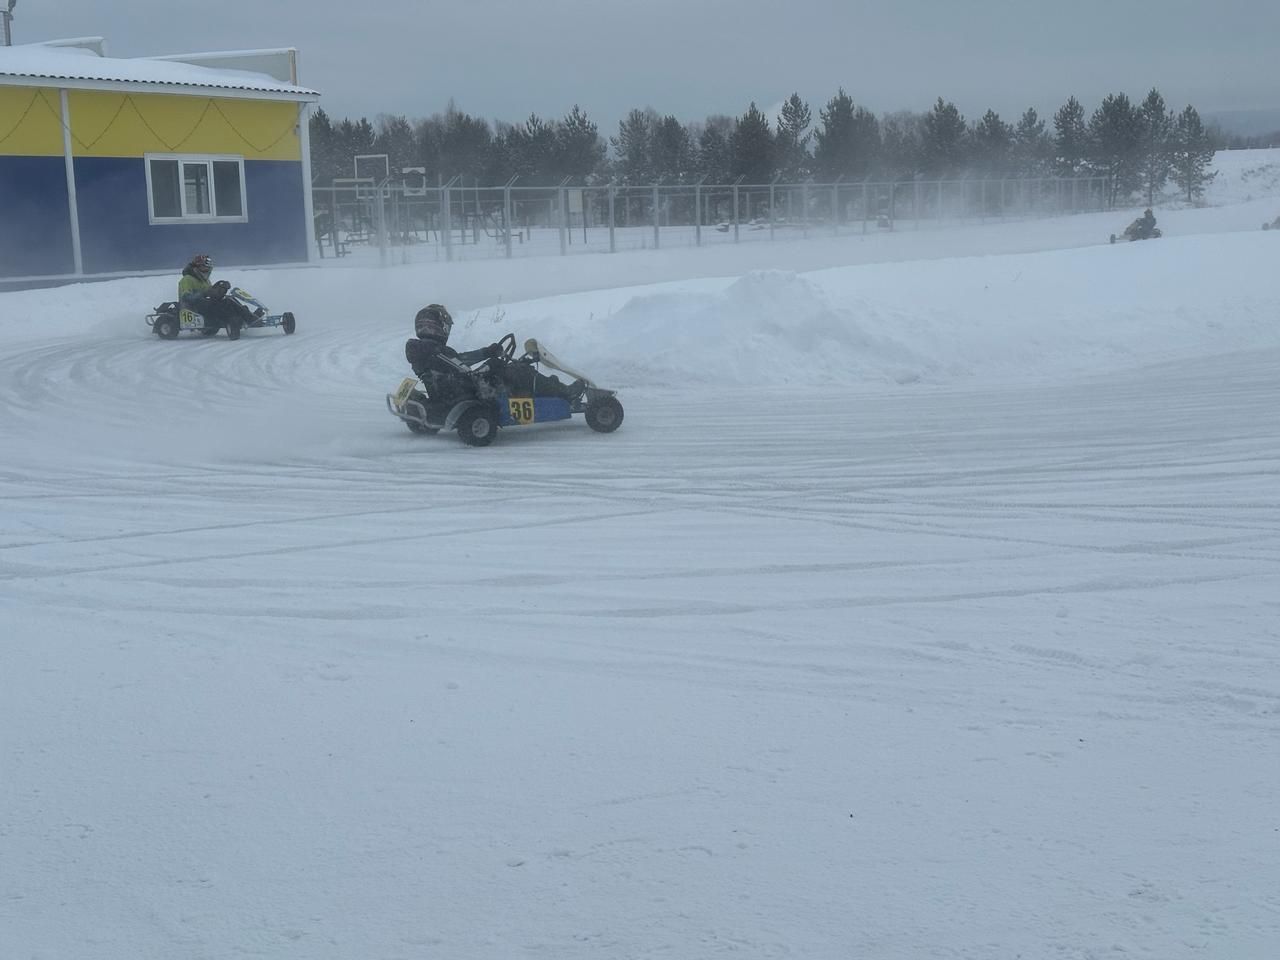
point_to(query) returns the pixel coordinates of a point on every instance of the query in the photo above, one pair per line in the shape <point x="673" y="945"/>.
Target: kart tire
<point x="1113" y="238"/>
<point x="288" y="323"/>
<point x="478" y="426"/>
<point x="166" y="328"/>
<point x="421" y="428"/>
<point x="233" y="330"/>
<point x="604" y="415"/>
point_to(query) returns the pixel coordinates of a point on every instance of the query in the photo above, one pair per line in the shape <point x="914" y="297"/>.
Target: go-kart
<point x="1136" y="231"/>
<point x="482" y="398"/>
<point x="1273" y="225"/>
<point x="170" y="318"/>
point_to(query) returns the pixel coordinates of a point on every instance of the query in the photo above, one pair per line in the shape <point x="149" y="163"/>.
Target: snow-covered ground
<point x="925" y="605"/>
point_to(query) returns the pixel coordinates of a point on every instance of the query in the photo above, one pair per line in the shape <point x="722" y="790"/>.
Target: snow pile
<point x="996" y="319"/>
<point x="768" y="327"/>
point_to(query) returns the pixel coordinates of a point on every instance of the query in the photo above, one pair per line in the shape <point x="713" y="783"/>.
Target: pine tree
<point x="752" y="147"/>
<point x="325" y="161"/>
<point x="395" y="138"/>
<point x="1071" y="139"/>
<point x="579" y="150"/>
<point x="632" y="146"/>
<point x="793" y="136"/>
<point x="1031" y="146"/>
<point x="1157" y="128"/>
<point x="531" y="147"/>
<point x="1191" y="154"/>
<point x="847" y="144"/>
<point x="902" y="140"/>
<point x="944" y="143"/>
<point x="465" y="142"/>
<point x="713" y="159"/>
<point x="992" y="143"/>
<point x="671" y="151"/>
<point x="1115" y="142"/>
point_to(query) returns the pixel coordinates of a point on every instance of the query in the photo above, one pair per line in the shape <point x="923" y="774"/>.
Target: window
<point x="183" y="189"/>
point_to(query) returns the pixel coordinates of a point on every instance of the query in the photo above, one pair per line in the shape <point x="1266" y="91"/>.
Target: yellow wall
<point x="133" y="124"/>
<point x="30" y="125"/>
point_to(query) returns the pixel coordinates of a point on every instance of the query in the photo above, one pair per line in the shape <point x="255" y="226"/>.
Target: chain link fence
<point x="457" y="221"/>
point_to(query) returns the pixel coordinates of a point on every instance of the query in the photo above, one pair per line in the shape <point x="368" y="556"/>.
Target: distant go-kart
<point x="1136" y="231"/>
<point x="170" y="318"/>
<point x="481" y="399"/>
<point x="1273" y="225"/>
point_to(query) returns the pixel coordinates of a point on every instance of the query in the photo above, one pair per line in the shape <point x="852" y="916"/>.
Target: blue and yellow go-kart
<point x="170" y="318"/>
<point x="484" y="399"/>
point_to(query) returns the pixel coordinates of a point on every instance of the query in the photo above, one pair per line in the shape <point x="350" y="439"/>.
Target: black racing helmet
<point x="433" y="323"/>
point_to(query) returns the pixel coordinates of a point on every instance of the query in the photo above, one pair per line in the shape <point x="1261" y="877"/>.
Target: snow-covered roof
<point x="83" y="66"/>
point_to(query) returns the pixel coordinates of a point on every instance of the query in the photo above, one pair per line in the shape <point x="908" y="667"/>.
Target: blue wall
<point x="115" y="234"/>
<point x="35" y="227"/>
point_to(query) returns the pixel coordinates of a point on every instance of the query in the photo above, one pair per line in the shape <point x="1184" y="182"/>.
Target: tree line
<point x="1139" y="147"/>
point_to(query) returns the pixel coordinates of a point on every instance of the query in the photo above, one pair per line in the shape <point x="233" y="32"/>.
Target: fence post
<point x="446" y="219"/>
<point x="773" y="210"/>
<point x="735" y="209"/>
<point x="866" y="210"/>
<point x="835" y="206"/>
<point x="506" y="213"/>
<point x="562" y="198"/>
<point x="613" y="190"/>
<point x="656" y="216"/>
<point x="613" y="246"/>
<point x="697" y="211"/>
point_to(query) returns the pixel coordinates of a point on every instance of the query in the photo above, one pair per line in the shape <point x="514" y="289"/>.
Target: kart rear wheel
<point x="478" y="426"/>
<point x="166" y="328"/>
<point x="288" y="323"/>
<point x="233" y="330"/>
<point x="604" y="415"/>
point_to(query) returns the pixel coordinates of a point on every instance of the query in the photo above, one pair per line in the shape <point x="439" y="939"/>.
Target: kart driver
<point x="441" y="367"/>
<point x="196" y="293"/>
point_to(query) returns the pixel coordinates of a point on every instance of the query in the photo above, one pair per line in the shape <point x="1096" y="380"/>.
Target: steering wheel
<point x="508" y="346"/>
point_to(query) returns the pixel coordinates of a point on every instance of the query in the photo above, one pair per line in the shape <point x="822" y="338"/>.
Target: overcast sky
<point x="505" y="59"/>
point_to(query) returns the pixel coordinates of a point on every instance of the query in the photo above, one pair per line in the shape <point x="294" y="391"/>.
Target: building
<point x="119" y="166"/>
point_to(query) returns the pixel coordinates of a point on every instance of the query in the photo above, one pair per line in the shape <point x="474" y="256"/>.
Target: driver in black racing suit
<point x="445" y="372"/>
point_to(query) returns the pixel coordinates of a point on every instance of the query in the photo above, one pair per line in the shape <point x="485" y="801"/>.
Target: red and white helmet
<point x="201" y="266"/>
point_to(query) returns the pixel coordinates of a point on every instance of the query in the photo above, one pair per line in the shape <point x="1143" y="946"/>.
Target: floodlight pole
<point x="7" y="15"/>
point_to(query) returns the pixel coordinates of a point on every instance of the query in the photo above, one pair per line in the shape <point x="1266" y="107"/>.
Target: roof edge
<point x="280" y="63"/>
<point x="300" y="94"/>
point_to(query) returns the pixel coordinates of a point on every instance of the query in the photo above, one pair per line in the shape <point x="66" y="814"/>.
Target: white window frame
<point x="208" y="160"/>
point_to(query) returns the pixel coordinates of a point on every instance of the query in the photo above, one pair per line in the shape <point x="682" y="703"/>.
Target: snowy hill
<point x="923" y="606"/>
<point x="1245" y="175"/>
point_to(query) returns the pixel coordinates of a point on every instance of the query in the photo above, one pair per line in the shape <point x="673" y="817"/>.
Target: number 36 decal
<point x="521" y="409"/>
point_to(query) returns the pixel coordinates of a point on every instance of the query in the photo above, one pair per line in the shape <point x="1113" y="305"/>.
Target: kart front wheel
<point x="604" y="415"/>
<point x="288" y="323"/>
<point x="166" y="328"/>
<point x="477" y="427"/>
<point x="421" y="428"/>
<point x="233" y="330"/>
